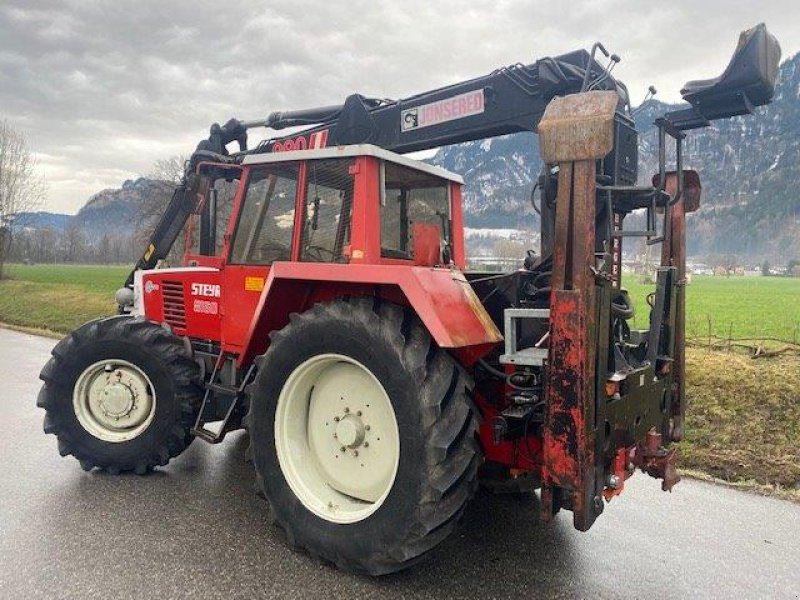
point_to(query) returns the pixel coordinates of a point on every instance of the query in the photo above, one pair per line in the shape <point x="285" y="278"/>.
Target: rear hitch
<point x="655" y="460"/>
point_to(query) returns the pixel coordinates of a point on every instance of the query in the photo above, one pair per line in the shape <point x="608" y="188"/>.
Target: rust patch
<point x="564" y="425"/>
<point x="655" y="460"/>
<point x="578" y="127"/>
<point x="492" y="332"/>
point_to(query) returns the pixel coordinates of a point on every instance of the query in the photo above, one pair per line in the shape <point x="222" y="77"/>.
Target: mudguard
<point x="441" y="297"/>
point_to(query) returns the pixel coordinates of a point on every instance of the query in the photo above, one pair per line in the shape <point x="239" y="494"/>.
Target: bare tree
<point x="169" y="172"/>
<point x="103" y="252"/>
<point x="168" y="169"/>
<point x="74" y="243"/>
<point x="46" y="244"/>
<point x="21" y="187"/>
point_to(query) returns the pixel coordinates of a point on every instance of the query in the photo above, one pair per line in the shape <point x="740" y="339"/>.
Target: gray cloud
<point x="105" y="88"/>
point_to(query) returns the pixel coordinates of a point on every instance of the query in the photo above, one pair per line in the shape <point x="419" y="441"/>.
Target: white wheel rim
<point x="337" y="439"/>
<point x="114" y="400"/>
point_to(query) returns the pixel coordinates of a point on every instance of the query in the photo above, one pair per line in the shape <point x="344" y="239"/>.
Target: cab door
<point x="263" y="233"/>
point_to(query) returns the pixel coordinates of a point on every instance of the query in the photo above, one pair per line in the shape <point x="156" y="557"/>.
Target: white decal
<point x="205" y="307"/>
<point x="150" y="287"/>
<point x="210" y="290"/>
<point x="457" y="107"/>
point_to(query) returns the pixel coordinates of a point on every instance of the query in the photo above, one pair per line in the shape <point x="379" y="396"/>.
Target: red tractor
<point x="325" y="306"/>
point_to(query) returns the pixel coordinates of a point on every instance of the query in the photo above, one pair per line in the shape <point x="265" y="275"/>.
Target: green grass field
<point x="58" y="297"/>
<point x="100" y="279"/>
<point x="744" y="417"/>
<point x="739" y="307"/>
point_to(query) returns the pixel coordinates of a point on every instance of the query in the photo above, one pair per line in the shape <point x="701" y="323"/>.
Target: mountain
<point x="112" y="212"/>
<point x="41" y="220"/>
<point x="111" y="226"/>
<point x="748" y="167"/>
<point x="498" y="175"/>
<point x="119" y="211"/>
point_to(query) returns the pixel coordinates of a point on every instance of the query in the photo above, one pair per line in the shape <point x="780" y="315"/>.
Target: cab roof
<point x="347" y="151"/>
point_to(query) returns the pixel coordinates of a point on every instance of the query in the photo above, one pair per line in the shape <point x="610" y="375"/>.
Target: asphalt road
<point x="196" y="529"/>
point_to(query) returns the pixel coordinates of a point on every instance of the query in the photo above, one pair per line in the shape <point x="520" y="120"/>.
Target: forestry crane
<point x="329" y="310"/>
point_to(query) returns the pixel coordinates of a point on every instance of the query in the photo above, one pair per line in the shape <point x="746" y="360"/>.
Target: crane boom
<point x="508" y="100"/>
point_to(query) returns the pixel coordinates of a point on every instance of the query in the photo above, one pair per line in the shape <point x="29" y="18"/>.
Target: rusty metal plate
<point x="578" y="127"/>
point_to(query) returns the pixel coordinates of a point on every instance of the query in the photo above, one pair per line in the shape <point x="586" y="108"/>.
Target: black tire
<point x="439" y="454"/>
<point x="166" y="361"/>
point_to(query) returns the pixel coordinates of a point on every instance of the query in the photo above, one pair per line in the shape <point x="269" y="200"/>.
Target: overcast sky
<point x="104" y="89"/>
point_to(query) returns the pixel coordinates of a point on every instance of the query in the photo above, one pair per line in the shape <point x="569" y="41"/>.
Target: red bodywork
<point x="238" y="305"/>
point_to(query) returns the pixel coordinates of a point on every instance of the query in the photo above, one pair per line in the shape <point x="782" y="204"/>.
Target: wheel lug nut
<point x="355" y="452"/>
<point x="358" y="414"/>
<point x="336" y="419"/>
<point x="366" y="444"/>
<point x="346" y="410"/>
<point x="334" y="435"/>
<point x="343" y="449"/>
<point x="366" y="427"/>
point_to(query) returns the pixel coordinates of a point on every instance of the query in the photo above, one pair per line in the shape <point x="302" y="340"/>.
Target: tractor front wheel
<point x="121" y="394"/>
<point x="362" y="435"/>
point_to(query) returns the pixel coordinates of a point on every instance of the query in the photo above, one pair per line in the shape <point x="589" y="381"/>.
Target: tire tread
<point x="453" y="455"/>
<point x="169" y="348"/>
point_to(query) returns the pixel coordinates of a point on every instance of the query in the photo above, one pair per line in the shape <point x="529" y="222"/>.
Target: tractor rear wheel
<point x="362" y="435"/>
<point x="121" y="394"/>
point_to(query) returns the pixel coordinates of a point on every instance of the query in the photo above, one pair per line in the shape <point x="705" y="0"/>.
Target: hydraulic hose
<point x="621" y="305"/>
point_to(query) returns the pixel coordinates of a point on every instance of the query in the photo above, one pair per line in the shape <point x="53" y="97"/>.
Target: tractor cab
<point x="348" y="205"/>
<point x="301" y="206"/>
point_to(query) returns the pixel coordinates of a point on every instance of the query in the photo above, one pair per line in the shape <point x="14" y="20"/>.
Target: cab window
<point x="410" y="196"/>
<point x="266" y="222"/>
<point x="202" y="234"/>
<point x="328" y="209"/>
<point x="223" y="194"/>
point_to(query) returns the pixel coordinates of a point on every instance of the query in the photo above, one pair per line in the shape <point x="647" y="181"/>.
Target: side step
<point x="215" y="390"/>
<point x="514" y="355"/>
